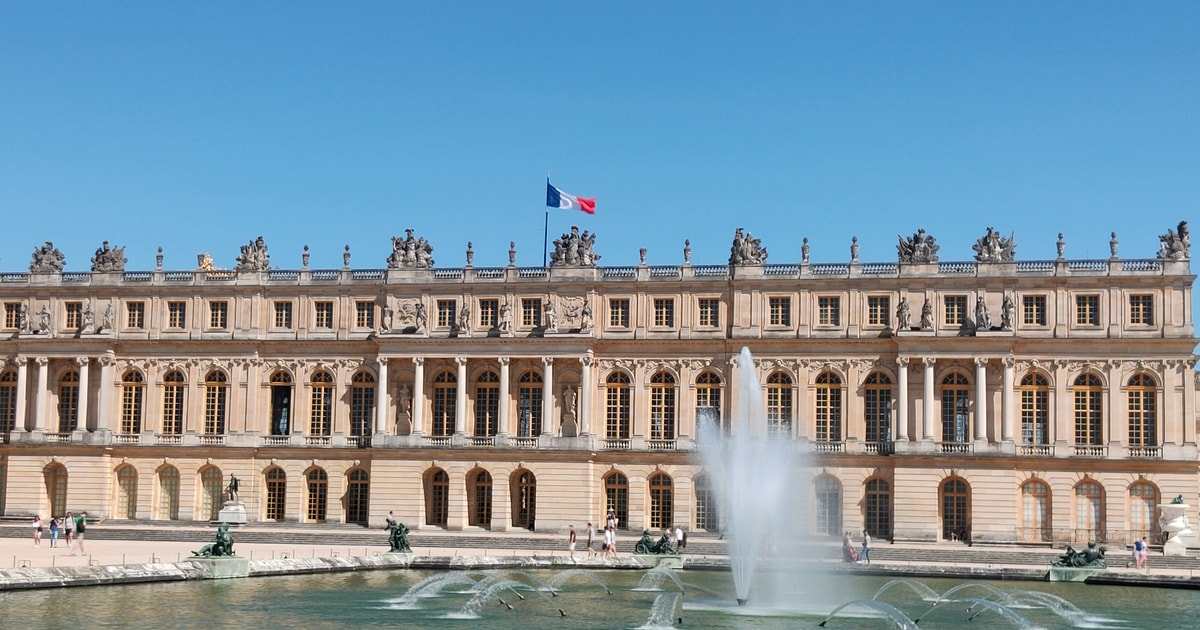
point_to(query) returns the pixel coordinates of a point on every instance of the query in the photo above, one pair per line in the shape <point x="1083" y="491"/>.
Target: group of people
<point x="608" y="540"/>
<point x="850" y="554"/>
<point x="70" y="526"/>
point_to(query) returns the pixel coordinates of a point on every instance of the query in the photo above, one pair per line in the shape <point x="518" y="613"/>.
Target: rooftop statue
<point x="918" y="248"/>
<point x="746" y="250"/>
<point x="254" y="257"/>
<point x="1175" y="245"/>
<point x="410" y="252"/>
<point x="573" y="249"/>
<point x="108" y="259"/>
<point x="993" y="248"/>
<point x="222" y="548"/>
<point x="1093" y="557"/>
<point x="47" y="259"/>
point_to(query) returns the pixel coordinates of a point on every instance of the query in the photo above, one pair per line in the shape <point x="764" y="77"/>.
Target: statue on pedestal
<point x="746" y="250"/>
<point x="398" y="537"/>
<point x="254" y="257"/>
<point x="222" y="548"/>
<point x="232" y="488"/>
<point x="47" y="259"/>
<point x="918" y="248"/>
<point x="109" y="259"/>
<point x="647" y="545"/>
<point x="1092" y="557"/>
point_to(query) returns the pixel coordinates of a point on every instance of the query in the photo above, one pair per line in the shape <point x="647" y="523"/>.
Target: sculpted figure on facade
<point x="903" y="315"/>
<point x="23" y="318"/>
<point x="108" y="259"/>
<point x="1008" y="311"/>
<point x="47" y="259"/>
<point x="106" y="324"/>
<point x="89" y="321"/>
<point x="254" y="256"/>
<point x="505" y="326"/>
<point x="574" y="249"/>
<point x="918" y="248"/>
<point x="927" y="315"/>
<point x="551" y="315"/>
<point x="410" y="252"/>
<point x="389" y="316"/>
<point x="411" y="316"/>
<point x="993" y="248"/>
<point x="746" y="250"/>
<point x="983" y="321"/>
<point x="464" y="320"/>
<point x="585" y="317"/>
<point x="44" y="320"/>
<point x="1175" y="245"/>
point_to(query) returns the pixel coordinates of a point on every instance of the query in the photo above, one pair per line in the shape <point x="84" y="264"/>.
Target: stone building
<point x="998" y="399"/>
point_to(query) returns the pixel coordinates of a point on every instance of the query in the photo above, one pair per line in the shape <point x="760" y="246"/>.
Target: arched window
<point x="616" y="497"/>
<point x="126" y="492"/>
<point x="1035" y="409"/>
<point x="276" y="494"/>
<point x="211" y="487"/>
<point x="877" y="408"/>
<point x="358" y="495"/>
<point x="216" y="393"/>
<point x="1089" y="410"/>
<point x="955" y="405"/>
<point x="956" y="515"/>
<point x="479" y="491"/>
<point x="321" y="403"/>
<point x="829" y="506"/>
<point x="779" y="405"/>
<point x="487" y="404"/>
<point x="132" y="392"/>
<point x="1143" y="414"/>
<point x="437" y="497"/>
<point x="708" y="396"/>
<point x="1143" y="509"/>
<point x="529" y="405"/>
<point x="661" y="500"/>
<point x="8" y="401"/>
<point x="1035" y="511"/>
<point x="168" y="493"/>
<point x="662" y="406"/>
<point x="524" y="499"/>
<point x="828" y="412"/>
<point x="445" y="386"/>
<point x="56" y="486"/>
<point x="362" y="403"/>
<point x="68" y="401"/>
<point x="878" y="508"/>
<point x="318" y="495"/>
<point x="1089" y="511"/>
<point x="281" y="403"/>
<point x="708" y="516"/>
<point x="173" y="403"/>
<point x="617" y="407"/>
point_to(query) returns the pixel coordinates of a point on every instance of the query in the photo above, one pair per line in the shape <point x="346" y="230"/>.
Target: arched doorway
<point x="479" y="493"/>
<point x="168" y="493"/>
<point x="358" y="492"/>
<point x="56" y="488"/>
<point x="878" y="508"/>
<point x="276" y="486"/>
<point x="616" y="497"/>
<point x="317" y="481"/>
<point x="126" y="492"/>
<point x="437" y="497"/>
<point x="211" y="490"/>
<point x="524" y="499"/>
<point x="662" y="496"/>
<point x="828" y="492"/>
<point x="955" y="504"/>
<point x="281" y="403"/>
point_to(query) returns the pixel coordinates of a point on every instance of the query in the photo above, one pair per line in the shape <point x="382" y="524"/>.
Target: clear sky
<point x="199" y="126"/>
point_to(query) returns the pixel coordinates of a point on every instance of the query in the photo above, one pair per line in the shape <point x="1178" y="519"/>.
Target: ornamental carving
<point x="47" y="259"/>
<point x="746" y="250"/>
<point x="411" y="316"/>
<point x="1175" y="245"/>
<point x="918" y="248"/>
<point x="574" y="249"/>
<point x="254" y="256"/>
<point x="410" y="252"/>
<point x="993" y="248"/>
<point x="575" y="314"/>
<point x="108" y="259"/>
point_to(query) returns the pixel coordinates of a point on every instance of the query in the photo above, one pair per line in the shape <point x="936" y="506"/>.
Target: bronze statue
<point x="647" y="545"/>
<point x="398" y="537"/>
<point x="232" y="488"/>
<point x="222" y="548"/>
<point x="1092" y="557"/>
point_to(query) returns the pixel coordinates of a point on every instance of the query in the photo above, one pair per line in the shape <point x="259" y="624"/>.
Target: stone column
<point x="1006" y="400"/>
<point x="902" y="411"/>
<point x="927" y="433"/>
<point x="586" y="391"/>
<point x="418" y="396"/>
<point x="40" y="421"/>
<point x="104" y="413"/>
<point x="460" y="397"/>
<point x="382" y="403"/>
<point x="22" y="393"/>
<point x="981" y="417"/>
<point x="505" y="398"/>
<point x="82" y="423"/>
<point x="547" y="394"/>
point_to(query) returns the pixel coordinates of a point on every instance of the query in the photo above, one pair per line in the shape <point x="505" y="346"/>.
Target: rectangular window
<point x="618" y="313"/>
<point x="1141" y="310"/>
<point x="74" y="315"/>
<point x="218" y="315"/>
<point x="489" y="313"/>
<point x="283" y="315"/>
<point x="445" y="313"/>
<point x="135" y="314"/>
<point x="879" y="310"/>
<point x="1033" y="311"/>
<point x="780" y="311"/>
<point x="176" y="314"/>
<point x="12" y="315"/>
<point x="531" y="312"/>
<point x="364" y="314"/>
<point x="664" y="313"/>
<point x="829" y="310"/>
<point x="324" y="315"/>
<point x="1087" y="310"/>
<point x="956" y="310"/>
<point x="710" y="312"/>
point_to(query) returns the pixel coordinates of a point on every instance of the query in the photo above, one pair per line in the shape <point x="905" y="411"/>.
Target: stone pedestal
<point x="1072" y="574"/>
<point x="225" y="567"/>
<point x="652" y="560"/>
<point x="1173" y="520"/>
<point x="233" y="512"/>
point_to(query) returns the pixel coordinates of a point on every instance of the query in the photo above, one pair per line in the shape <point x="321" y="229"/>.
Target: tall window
<point x="955" y="406"/>
<point x="135" y="314"/>
<point x="323" y="315"/>
<point x="525" y="499"/>
<point x="710" y="312"/>
<point x="664" y="313"/>
<point x="176" y="314"/>
<point x="531" y="312"/>
<point x="172" y="413"/>
<point x="829" y="310"/>
<point x="618" y="313"/>
<point x="877" y="407"/>
<point x="779" y="311"/>
<point x="437" y="501"/>
<point x="364" y="314"/>
<point x="362" y="403"/>
<point x="1033" y="310"/>
<point x="358" y="497"/>
<point x="1087" y="310"/>
<point x="529" y="404"/>
<point x="68" y="402"/>
<point x="1035" y="409"/>
<point x="662" y="406"/>
<point x="216" y="393"/>
<point x="479" y="493"/>
<point x="616" y="497"/>
<point x="132" y="392"/>
<point x="779" y="405"/>
<point x="283" y="315"/>
<point x="218" y="315"/>
<point x="446" y="312"/>
<point x="1089" y="410"/>
<point x="1035" y="511"/>
<point x="956" y="310"/>
<point x="1143" y="416"/>
<point x="445" y="384"/>
<point x="318" y="495"/>
<point x="487" y="404"/>
<point x="708" y="395"/>
<point x="1143" y="507"/>
<point x="879" y="310"/>
<point x="489" y="311"/>
<point x="321" y="403"/>
<point x="828" y="412"/>
<point x="56" y="483"/>
<point x="8" y="401"/>
<point x="168" y="493"/>
<point x="1141" y="310"/>
<point x="1089" y="511"/>
<point x="74" y="319"/>
<point x="281" y="403"/>
<point x="878" y="508"/>
<point x="661" y="497"/>
<point x="617" y="406"/>
<point x="276" y="505"/>
<point x="955" y="510"/>
<point x="12" y="315"/>
<point x="211" y="500"/>
<point x="708" y="517"/>
<point x="127" y="492"/>
<point x="829" y="506"/>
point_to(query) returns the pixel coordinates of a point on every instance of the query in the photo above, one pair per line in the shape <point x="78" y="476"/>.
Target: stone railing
<point x="211" y="440"/>
<point x="127" y="438"/>
<point x="440" y="441"/>
<point x="661" y="445"/>
<point x="1143" y="452"/>
<point x="523" y="442"/>
<point x="956" y="448"/>
<point x="276" y="440"/>
<point x="828" y="447"/>
<point x="615" y="445"/>
<point x="1035" y="450"/>
<point x="879" y="448"/>
<point x="317" y="440"/>
<point x="1088" y="450"/>
<point x="489" y="441"/>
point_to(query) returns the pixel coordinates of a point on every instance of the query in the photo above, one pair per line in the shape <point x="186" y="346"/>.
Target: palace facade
<point x="1004" y="400"/>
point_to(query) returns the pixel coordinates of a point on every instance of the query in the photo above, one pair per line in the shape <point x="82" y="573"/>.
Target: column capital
<point x="43" y="361"/>
<point x="903" y="361"/>
<point x="460" y="361"/>
<point x="83" y="361"/>
<point x="504" y="361"/>
<point x="929" y="361"/>
<point x="548" y="361"/>
<point x="981" y="361"/>
<point x="1009" y="362"/>
<point x="587" y="360"/>
<point x="107" y="360"/>
<point x="418" y="361"/>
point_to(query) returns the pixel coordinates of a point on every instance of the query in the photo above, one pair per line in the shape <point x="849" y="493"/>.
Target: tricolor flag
<point x="556" y="198"/>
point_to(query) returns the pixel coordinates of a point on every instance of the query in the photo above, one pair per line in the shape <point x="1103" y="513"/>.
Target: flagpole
<point x="546" y="226"/>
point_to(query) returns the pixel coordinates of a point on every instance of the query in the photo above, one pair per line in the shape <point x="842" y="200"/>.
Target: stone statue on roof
<point x="918" y="248"/>
<point x="993" y="248"/>
<point x="746" y="250"/>
<point x="108" y="259"/>
<point x="47" y="259"/>
<point x="575" y="249"/>
<point x="254" y="257"/>
<point x="1175" y="245"/>
<point x="410" y="252"/>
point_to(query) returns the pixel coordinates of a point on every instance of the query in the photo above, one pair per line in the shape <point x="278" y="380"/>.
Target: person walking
<point x="678" y="539"/>
<point x="68" y="523"/>
<point x="866" y="548"/>
<point x="37" y="530"/>
<point x="610" y="542"/>
<point x="80" y="529"/>
<point x="53" y="532"/>
<point x="1139" y="552"/>
<point x="591" y="533"/>
<point x="571" y="539"/>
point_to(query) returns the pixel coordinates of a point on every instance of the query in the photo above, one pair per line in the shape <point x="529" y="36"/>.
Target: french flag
<point x="556" y="198"/>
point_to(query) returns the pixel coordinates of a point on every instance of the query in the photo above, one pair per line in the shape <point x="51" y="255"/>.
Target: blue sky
<point x="199" y="126"/>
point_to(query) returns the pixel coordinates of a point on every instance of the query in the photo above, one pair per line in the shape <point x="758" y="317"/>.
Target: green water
<point x="374" y="600"/>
